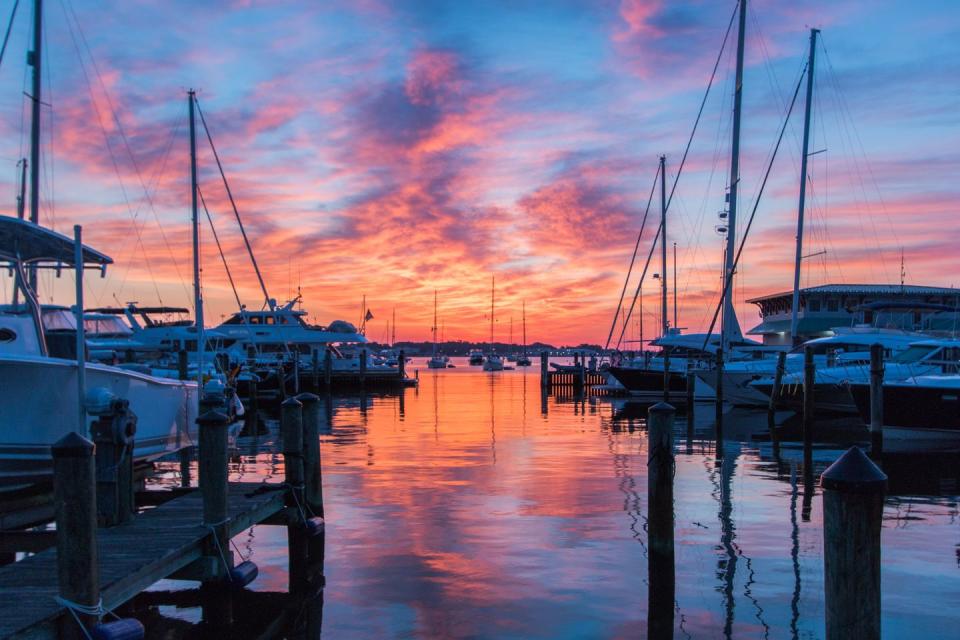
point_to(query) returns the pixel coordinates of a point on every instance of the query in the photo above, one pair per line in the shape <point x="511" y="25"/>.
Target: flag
<point x="369" y="316"/>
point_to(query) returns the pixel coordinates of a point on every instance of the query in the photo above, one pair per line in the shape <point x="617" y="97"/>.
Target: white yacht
<point x="493" y="362"/>
<point x="39" y="375"/>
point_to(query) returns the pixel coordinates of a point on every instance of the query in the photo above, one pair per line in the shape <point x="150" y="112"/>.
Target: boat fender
<point x="123" y="629"/>
<point x="315" y="526"/>
<point x="243" y="574"/>
<point x="99" y="401"/>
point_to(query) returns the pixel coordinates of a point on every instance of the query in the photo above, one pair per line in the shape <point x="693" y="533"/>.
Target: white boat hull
<point x="38" y="406"/>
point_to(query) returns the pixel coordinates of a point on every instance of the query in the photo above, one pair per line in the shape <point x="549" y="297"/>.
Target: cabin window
<point x="191" y="345"/>
<point x="268" y="320"/>
<point x="254" y="319"/>
<point x="868" y="317"/>
<point x="813" y="305"/>
<point x="6" y="335"/>
<point x="833" y="305"/>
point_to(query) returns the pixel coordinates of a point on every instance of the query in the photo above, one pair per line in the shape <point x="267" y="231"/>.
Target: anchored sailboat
<point x="492" y="362"/>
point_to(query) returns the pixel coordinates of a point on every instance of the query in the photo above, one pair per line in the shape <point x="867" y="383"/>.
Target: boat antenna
<point x="795" y="303"/>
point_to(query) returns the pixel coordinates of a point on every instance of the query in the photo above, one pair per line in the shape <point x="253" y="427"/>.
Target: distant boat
<point x="493" y="362"/>
<point x="476" y="357"/>
<point x="437" y="360"/>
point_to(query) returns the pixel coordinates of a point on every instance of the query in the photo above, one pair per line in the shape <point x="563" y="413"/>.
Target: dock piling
<point x="296" y="372"/>
<point x="312" y="468"/>
<point x="775" y="399"/>
<point x="182" y="364"/>
<point x="363" y="366"/>
<point x="401" y="365"/>
<point x="661" y="568"/>
<point x="315" y="367"/>
<point x="876" y="400"/>
<point x="213" y="481"/>
<point x="544" y="371"/>
<point x="852" y="514"/>
<point x="809" y="378"/>
<point x="75" y="500"/>
<point x="113" y="435"/>
<point x="291" y="432"/>
<point x="327" y="368"/>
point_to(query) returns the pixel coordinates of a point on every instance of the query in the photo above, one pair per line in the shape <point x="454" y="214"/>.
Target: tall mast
<point x="434" y="322"/>
<point x="21" y="198"/>
<point x="34" y="60"/>
<point x="393" y="336"/>
<point x="729" y="323"/>
<point x="524" y="328"/>
<point x="197" y="295"/>
<point x="493" y="284"/>
<point x="675" y="321"/>
<point x="795" y="305"/>
<point x="664" y="318"/>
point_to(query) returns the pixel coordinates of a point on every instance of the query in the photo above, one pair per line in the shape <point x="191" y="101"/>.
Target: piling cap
<point x="72" y="445"/>
<point x="291" y="402"/>
<point x="307" y="397"/>
<point x="662" y="407"/>
<point x="854" y="472"/>
<point x="212" y="418"/>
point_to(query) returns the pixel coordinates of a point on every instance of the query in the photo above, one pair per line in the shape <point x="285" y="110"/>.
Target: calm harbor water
<point x="470" y="507"/>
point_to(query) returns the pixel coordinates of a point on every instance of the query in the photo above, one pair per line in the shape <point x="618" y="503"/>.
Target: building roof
<point x="865" y="289"/>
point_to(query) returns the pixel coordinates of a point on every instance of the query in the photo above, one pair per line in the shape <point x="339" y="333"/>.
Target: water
<point x="470" y="508"/>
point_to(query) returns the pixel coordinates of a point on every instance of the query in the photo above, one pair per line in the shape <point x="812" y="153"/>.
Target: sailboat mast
<point x="795" y="305"/>
<point x="197" y="294"/>
<point x="729" y="315"/>
<point x="675" y="321"/>
<point x="34" y="60"/>
<point x="664" y="317"/>
<point x="524" y="328"/>
<point x="434" y="322"/>
<point x="393" y="336"/>
<point x="493" y="284"/>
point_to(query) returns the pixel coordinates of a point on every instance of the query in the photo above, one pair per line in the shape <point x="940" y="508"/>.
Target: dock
<point x="104" y="553"/>
<point x="155" y="545"/>
<point x="577" y="379"/>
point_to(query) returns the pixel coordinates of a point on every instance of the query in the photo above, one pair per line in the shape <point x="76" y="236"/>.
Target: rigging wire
<point x="68" y="5"/>
<point x="683" y="160"/>
<point x="236" y="213"/>
<point x="6" y="37"/>
<point x="729" y="276"/>
<point x="216" y="239"/>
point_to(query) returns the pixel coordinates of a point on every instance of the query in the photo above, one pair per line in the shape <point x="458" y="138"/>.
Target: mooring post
<point x="327" y="368"/>
<point x="363" y="366"/>
<point x="113" y="436"/>
<point x="213" y="482"/>
<point x="402" y="365"/>
<point x="691" y="384"/>
<point x="853" y="492"/>
<point x="312" y="469"/>
<point x="544" y="371"/>
<point x="718" y="387"/>
<point x="182" y="364"/>
<point x="809" y="378"/>
<point x="660" y="524"/>
<point x="291" y="432"/>
<point x="876" y="400"/>
<point x="315" y="367"/>
<point x="296" y="372"/>
<point x="185" y="455"/>
<point x="75" y="501"/>
<point x="775" y="399"/>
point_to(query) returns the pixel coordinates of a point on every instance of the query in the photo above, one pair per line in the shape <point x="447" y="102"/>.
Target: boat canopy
<point x="25" y="242"/>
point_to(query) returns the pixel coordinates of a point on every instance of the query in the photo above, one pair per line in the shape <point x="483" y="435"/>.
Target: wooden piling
<point x="296" y="372"/>
<point x="775" y="400"/>
<point x="75" y="501"/>
<point x="876" y="400"/>
<point x="401" y="365"/>
<point x="666" y="375"/>
<point x="544" y="371"/>
<point x="312" y="469"/>
<point x="852" y="515"/>
<point x="363" y="366"/>
<point x="718" y="387"/>
<point x="691" y="385"/>
<point x="182" y="364"/>
<point x="213" y="481"/>
<point x="809" y="379"/>
<point x="315" y="367"/>
<point x="327" y="368"/>
<point x="291" y="433"/>
<point x="660" y="521"/>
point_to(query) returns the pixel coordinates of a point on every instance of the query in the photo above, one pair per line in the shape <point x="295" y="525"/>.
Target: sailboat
<point x="512" y="356"/>
<point x="437" y="360"/>
<point x="523" y="360"/>
<point x="493" y="362"/>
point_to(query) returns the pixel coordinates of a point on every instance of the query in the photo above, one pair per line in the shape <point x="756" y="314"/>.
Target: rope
<point x="74" y="607"/>
<point x="223" y="258"/>
<point x="6" y="37"/>
<point x="216" y="541"/>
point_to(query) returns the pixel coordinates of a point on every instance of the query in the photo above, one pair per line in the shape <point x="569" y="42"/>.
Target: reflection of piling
<point x="852" y="514"/>
<point x="660" y="468"/>
<point x="74" y="485"/>
<point x="876" y="400"/>
<point x="809" y="378"/>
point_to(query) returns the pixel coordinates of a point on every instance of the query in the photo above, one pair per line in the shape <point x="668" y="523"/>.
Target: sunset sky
<point x="388" y="149"/>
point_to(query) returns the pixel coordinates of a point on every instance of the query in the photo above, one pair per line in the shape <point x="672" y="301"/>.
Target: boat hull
<point x="737" y="390"/>
<point x="39" y="406"/>
<point x="646" y="385"/>
<point x="915" y="417"/>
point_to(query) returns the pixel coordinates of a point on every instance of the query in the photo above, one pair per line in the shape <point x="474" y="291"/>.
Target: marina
<point x="255" y="290"/>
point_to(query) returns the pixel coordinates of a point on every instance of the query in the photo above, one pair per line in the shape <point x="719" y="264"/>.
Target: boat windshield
<point x="914" y="353"/>
<point x="106" y="326"/>
<point x="59" y="320"/>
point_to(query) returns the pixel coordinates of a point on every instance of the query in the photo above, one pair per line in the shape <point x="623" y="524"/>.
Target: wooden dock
<point x="133" y="556"/>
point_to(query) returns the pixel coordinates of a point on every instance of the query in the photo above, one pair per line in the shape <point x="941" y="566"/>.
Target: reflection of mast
<point x="794" y="554"/>
<point x="727" y="566"/>
<point x="493" y="430"/>
<point x="436" y="411"/>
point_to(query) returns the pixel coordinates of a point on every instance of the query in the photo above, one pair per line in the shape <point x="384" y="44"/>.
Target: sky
<point x="394" y="149"/>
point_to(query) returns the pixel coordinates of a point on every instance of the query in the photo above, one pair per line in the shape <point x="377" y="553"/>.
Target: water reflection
<point x="457" y="510"/>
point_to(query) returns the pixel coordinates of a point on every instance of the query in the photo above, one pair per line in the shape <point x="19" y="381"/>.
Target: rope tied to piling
<point x="216" y="542"/>
<point x="87" y="610"/>
<point x="294" y="491"/>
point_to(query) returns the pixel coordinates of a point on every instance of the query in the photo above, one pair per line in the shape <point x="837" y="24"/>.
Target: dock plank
<point x="132" y="557"/>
